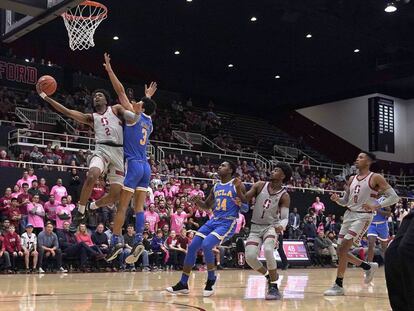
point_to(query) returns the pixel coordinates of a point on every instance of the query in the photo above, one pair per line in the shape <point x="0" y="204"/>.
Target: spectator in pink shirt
<point x="318" y="206"/>
<point x="63" y="213"/>
<point x="150" y="197"/>
<point x="197" y="191"/>
<point x="31" y="177"/>
<point x="16" y="191"/>
<point x="70" y="204"/>
<point x="178" y="219"/>
<point x="59" y="191"/>
<point x="168" y="193"/>
<point x="24" y="180"/>
<point x="36" y="214"/>
<point x="241" y="223"/>
<point x="175" y="188"/>
<point x="83" y="236"/>
<point x="152" y="217"/>
<point x="50" y="209"/>
<point x="159" y="193"/>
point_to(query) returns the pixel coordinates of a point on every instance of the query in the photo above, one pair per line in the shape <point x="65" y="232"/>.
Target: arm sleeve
<point x="131" y="117"/>
<point x="391" y="198"/>
<point x="284" y="216"/>
<point x="344" y="200"/>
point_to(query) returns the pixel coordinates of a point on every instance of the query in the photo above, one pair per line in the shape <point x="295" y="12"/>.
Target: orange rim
<point x="101" y="15"/>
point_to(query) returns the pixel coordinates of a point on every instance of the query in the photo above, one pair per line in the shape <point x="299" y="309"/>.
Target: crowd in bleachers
<point x="35" y="213"/>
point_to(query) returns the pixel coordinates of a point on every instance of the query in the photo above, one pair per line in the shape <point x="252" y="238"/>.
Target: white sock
<point x="93" y="206"/>
<point x="81" y="209"/>
<point x="267" y="273"/>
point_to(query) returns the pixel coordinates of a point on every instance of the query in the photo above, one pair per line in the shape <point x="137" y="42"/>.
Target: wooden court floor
<point x="237" y="290"/>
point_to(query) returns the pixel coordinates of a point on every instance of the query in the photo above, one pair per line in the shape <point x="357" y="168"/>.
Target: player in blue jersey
<point x="378" y="230"/>
<point x="222" y="200"/>
<point x="138" y="127"/>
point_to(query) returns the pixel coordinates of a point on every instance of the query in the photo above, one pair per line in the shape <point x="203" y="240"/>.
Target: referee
<point x="399" y="271"/>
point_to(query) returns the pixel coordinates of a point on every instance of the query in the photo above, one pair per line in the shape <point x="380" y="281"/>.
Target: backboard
<point x="19" y="17"/>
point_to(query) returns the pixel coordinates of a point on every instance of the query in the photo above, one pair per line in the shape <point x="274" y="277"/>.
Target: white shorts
<point x="260" y="233"/>
<point x="354" y="227"/>
<point x="110" y="160"/>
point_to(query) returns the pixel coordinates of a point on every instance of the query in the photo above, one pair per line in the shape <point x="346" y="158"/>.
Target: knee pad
<point x="251" y="257"/>
<point x="270" y="257"/>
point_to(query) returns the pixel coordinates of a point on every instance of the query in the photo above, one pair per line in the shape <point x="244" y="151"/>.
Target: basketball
<point x="47" y="84"/>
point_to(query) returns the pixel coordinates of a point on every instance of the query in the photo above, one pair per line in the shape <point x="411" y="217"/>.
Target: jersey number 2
<point x="221" y="204"/>
<point x="143" y="141"/>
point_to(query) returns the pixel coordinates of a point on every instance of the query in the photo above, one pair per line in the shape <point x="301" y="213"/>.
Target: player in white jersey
<point x="108" y="157"/>
<point x="360" y="202"/>
<point x="269" y="219"/>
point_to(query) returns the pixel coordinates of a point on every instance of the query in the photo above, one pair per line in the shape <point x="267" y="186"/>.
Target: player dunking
<point x="272" y="200"/>
<point x="137" y="130"/>
<point x="223" y="224"/>
<point x="378" y="230"/>
<point x="360" y="202"/>
<point x="108" y="157"/>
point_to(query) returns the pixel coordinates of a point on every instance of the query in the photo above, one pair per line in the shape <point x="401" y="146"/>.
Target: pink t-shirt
<point x="65" y="209"/>
<point x="177" y="221"/>
<point x="168" y="193"/>
<point x="318" y="207"/>
<point x="22" y="181"/>
<point x="159" y="194"/>
<point x="58" y="192"/>
<point x="153" y="218"/>
<point x="195" y="192"/>
<point x="50" y="210"/>
<point x="71" y="207"/>
<point x="241" y="222"/>
<point x="34" y="219"/>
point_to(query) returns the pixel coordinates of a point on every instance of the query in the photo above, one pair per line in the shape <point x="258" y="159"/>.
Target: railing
<point x="282" y="151"/>
<point x="26" y="165"/>
<point x="30" y="138"/>
<point x="183" y="139"/>
<point x="25" y="137"/>
<point x="7" y="122"/>
<point x="316" y="167"/>
<point x="222" y="156"/>
<point x="21" y="115"/>
<point x="44" y="117"/>
<point x="198" y="139"/>
<point x="294" y="152"/>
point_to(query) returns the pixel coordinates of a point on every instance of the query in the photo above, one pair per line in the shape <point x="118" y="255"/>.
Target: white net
<point x="81" y="23"/>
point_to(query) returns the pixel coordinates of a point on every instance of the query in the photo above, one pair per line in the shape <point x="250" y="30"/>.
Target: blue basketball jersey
<point x="224" y="195"/>
<point x="377" y="216"/>
<point x="136" y="137"/>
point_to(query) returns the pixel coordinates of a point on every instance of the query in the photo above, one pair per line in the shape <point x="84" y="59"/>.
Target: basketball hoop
<point x="81" y="23"/>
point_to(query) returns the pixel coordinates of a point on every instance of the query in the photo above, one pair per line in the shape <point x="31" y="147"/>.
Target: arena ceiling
<point x="212" y="34"/>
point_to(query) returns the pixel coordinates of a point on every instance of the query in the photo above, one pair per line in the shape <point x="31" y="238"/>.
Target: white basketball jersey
<point x="108" y="127"/>
<point x="360" y="192"/>
<point x="266" y="207"/>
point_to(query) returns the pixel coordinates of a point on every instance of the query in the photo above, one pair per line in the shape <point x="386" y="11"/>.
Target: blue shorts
<point x="380" y="231"/>
<point x="223" y="229"/>
<point x="138" y="174"/>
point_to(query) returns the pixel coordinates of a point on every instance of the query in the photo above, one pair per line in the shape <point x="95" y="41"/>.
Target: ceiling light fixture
<point x="26" y="60"/>
<point x="230" y="65"/>
<point x="189" y="0"/>
<point x="115" y="38"/>
<point x="309" y="35"/>
<point x="390" y="8"/>
<point x="253" y="19"/>
<point x="277" y="77"/>
<point x="356" y="51"/>
<point x="177" y="52"/>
